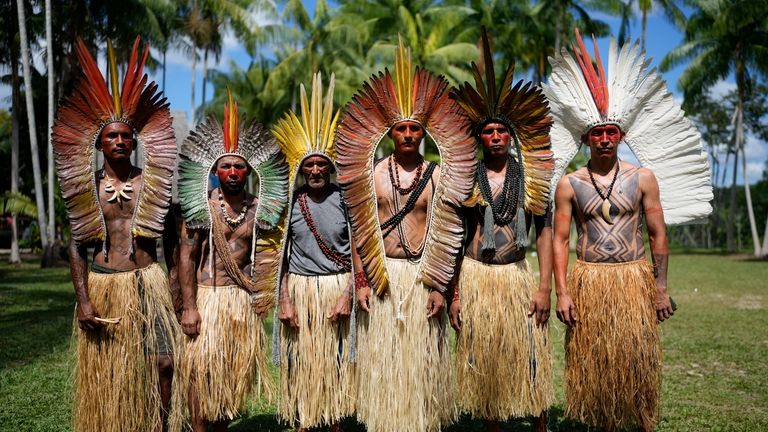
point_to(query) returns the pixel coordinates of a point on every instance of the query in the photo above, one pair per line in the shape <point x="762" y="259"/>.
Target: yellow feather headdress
<point x="313" y="133"/>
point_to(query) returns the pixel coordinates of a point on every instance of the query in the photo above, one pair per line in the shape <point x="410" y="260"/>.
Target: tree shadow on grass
<point x="42" y="326"/>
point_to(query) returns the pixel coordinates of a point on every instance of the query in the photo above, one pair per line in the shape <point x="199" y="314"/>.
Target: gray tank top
<point x="330" y="218"/>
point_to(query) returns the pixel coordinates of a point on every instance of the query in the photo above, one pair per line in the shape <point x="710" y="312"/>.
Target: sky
<point x="660" y="39"/>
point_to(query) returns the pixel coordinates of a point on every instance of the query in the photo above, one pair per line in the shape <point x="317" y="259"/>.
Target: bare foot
<point x="492" y="426"/>
<point x="540" y="422"/>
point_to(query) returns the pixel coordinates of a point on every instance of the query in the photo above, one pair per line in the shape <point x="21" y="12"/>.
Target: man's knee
<point x="165" y="364"/>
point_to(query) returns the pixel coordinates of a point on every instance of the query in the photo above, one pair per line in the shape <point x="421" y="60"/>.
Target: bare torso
<point x="240" y="241"/>
<point x="407" y="241"/>
<point x="598" y="240"/>
<point x="118" y="217"/>
<point x="504" y="236"/>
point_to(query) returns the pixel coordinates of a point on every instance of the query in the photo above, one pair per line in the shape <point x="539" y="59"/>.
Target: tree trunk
<point x="51" y="109"/>
<point x="194" y="71"/>
<point x="16" y="104"/>
<point x="205" y="75"/>
<point x="764" y="251"/>
<point x="729" y="235"/>
<point x="26" y="65"/>
<point x="558" y="30"/>
<point x="165" y="51"/>
<point x="740" y="81"/>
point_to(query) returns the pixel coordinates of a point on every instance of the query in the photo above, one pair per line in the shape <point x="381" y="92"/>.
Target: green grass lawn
<point x="716" y="351"/>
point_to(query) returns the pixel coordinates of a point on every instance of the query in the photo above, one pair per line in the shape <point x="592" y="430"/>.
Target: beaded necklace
<point x="341" y="261"/>
<point x="234" y="223"/>
<point x="394" y="176"/>
<point x="398" y="217"/>
<point x="505" y="208"/>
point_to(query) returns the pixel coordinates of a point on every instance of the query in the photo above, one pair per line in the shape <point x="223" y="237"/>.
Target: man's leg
<point x="199" y="424"/>
<point x="220" y="425"/>
<point x="492" y="426"/>
<point x="165" y="372"/>
<point x="540" y="422"/>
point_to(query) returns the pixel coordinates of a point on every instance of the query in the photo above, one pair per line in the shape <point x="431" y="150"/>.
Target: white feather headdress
<point x="636" y="99"/>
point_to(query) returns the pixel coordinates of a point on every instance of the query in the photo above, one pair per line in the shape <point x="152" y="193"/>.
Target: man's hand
<point x="566" y="310"/>
<point x="663" y="306"/>
<point x="364" y="298"/>
<point x="190" y="322"/>
<point x="287" y="314"/>
<point x="342" y="309"/>
<point x="86" y="317"/>
<point x="435" y="303"/>
<point x="540" y="304"/>
<point x="454" y="313"/>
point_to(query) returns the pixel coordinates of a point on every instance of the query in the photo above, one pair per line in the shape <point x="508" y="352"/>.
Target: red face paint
<point x="232" y="172"/>
<point x="603" y="140"/>
<point x="116" y="141"/>
<point x="495" y="139"/>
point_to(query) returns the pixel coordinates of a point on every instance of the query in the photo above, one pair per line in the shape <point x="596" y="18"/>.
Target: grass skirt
<point x="405" y="369"/>
<point x="318" y="383"/>
<point x="504" y="360"/>
<point x="116" y="375"/>
<point x="613" y="354"/>
<point x="226" y="362"/>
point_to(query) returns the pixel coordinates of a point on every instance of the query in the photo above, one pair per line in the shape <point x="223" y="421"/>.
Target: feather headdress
<point x="636" y="99"/>
<point x="420" y="96"/>
<point x="522" y="108"/>
<point x="211" y="141"/>
<point x="79" y="121"/>
<point x="313" y="133"/>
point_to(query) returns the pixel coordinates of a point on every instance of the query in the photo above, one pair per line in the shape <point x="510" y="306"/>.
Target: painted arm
<point x="541" y="303"/>
<point x="657" y="235"/>
<point x="188" y="253"/>
<point x="78" y="265"/>
<point x="566" y="310"/>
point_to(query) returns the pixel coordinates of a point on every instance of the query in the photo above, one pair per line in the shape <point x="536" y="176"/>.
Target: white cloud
<point x="721" y="88"/>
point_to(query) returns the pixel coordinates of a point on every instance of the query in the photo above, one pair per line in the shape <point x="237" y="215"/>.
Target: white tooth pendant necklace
<point x="605" y="209"/>
<point x="118" y="196"/>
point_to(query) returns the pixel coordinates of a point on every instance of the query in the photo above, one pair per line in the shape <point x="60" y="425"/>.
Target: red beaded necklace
<point x="342" y="261"/>
<point x="394" y="176"/>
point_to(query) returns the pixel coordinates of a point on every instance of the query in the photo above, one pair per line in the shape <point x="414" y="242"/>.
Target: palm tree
<point x="723" y="38"/>
<point x="26" y="65"/>
<point x="51" y="108"/>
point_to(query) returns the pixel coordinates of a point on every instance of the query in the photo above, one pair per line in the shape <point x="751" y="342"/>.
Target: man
<point x="228" y="264"/>
<point x="129" y="338"/>
<point x="405" y="222"/>
<point x="497" y="306"/>
<point x="315" y="292"/>
<point x="614" y="299"/>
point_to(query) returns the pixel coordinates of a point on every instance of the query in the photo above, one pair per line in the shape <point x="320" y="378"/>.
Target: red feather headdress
<point x="79" y="121"/>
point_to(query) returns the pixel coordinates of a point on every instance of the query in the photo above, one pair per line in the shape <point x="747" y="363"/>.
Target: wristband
<point x="361" y="280"/>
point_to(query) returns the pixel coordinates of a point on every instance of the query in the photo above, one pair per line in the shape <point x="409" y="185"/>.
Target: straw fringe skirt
<point x="405" y="370"/>
<point x="226" y="362"/>
<point x="504" y="360"/>
<point x="613" y="354"/>
<point x="116" y="374"/>
<point x="318" y="383"/>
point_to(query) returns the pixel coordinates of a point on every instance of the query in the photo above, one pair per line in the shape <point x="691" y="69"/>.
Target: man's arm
<point x="566" y="310"/>
<point x="286" y="312"/>
<point x="78" y="265"/>
<point x="188" y="252"/>
<point x="657" y="235"/>
<point x="540" y="303"/>
<point x="171" y="253"/>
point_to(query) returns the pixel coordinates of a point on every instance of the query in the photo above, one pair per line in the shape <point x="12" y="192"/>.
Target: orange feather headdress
<point x="79" y="121"/>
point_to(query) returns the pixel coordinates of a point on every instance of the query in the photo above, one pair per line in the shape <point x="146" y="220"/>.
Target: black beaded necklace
<point x="505" y="208"/>
<point x="606" y="206"/>
<point x="396" y="219"/>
